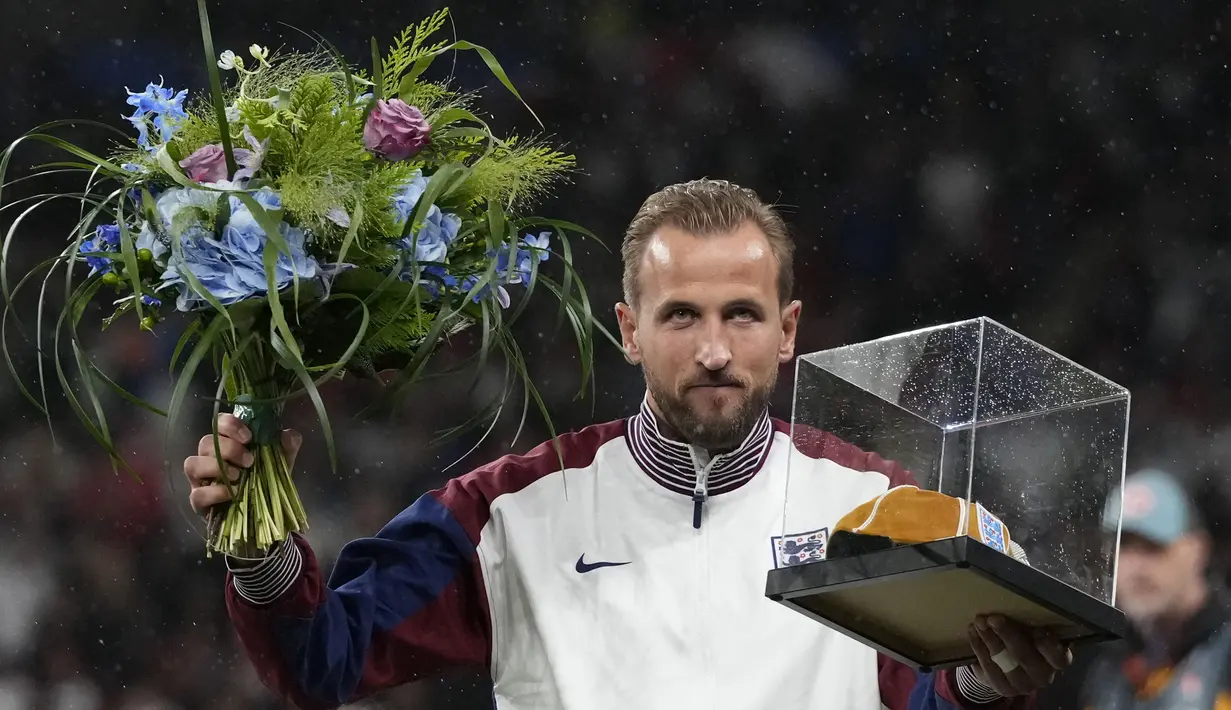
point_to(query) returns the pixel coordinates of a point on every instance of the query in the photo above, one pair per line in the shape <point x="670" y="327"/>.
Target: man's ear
<point x="626" y="315"/>
<point x="790" y="325"/>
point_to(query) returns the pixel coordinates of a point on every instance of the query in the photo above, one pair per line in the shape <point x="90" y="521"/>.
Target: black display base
<point x="914" y="603"/>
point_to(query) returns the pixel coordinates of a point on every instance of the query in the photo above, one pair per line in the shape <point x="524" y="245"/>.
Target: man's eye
<point x="681" y="314"/>
<point x="743" y="314"/>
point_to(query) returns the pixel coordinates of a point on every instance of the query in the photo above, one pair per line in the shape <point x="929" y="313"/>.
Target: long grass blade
<point x="8" y="357"/>
<point x="293" y="363"/>
<point x="121" y="391"/>
<point x="79" y="298"/>
<point x="186" y="336"/>
<point x="215" y="87"/>
<point x="410" y="373"/>
<point x="128" y="252"/>
<point x="378" y="79"/>
<point x="210" y="337"/>
<point x="492" y="65"/>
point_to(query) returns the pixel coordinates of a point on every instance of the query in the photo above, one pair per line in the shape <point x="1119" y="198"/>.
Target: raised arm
<point x="399" y="606"/>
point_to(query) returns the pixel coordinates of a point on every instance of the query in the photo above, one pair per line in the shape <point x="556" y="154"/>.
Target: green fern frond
<point x="324" y="143"/>
<point x="391" y="331"/>
<point x="408" y="48"/>
<point x="517" y="174"/>
<point x="382" y="184"/>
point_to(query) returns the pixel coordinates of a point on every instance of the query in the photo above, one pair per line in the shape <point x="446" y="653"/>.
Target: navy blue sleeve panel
<point x="399" y="606"/>
<point x="405" y="604"/>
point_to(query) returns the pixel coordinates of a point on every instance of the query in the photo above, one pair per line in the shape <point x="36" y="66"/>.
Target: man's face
<point x="709" y="332"/>
<point x="1154" y="581"/>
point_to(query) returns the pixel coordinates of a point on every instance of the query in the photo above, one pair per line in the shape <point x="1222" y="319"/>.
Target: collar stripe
<point x="670" y="464"/>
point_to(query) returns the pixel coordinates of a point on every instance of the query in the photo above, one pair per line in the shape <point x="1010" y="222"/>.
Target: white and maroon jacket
<point x="633" y="576"/>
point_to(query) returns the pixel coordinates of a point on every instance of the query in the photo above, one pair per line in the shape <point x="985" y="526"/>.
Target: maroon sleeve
<point x="404" y="604"/>
<point x="902" y="688"/>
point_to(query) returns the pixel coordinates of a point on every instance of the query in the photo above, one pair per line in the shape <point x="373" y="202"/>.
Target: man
<point x="1180" y="655"/>
<point x="639" y="581"/>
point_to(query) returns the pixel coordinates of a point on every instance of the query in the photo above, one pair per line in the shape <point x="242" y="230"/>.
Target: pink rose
<point x="209" y="164"/>
<point x="395" y="130"/>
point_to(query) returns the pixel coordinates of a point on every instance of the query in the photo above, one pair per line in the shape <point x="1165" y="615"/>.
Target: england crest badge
<point x="799" y="548"/>
<point x="991" y="530"/>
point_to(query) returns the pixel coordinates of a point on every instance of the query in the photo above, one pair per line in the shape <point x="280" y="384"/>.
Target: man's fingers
<point x="233" y="427"/>
<point x="207" y="496"/>
<point x="1058" y="655"/>
<point x="203" y="470"/>
<point x="1033" y="670"/>
<point x="233" y="452"/>
<point x="991" y="672"/>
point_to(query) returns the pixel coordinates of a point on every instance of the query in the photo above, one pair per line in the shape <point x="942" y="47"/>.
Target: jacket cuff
<point x="974" y="688"/>
<point x="267" y="580"/>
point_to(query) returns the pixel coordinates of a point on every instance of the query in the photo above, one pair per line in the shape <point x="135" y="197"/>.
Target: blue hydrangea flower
<point x="243" y="234"/>
<point x="202" y="256"/>
<point x="502" y="296"/>
<point x="442" y="281"/>
<point x="431" y="243"/>
<point x="405" y="199"/>
<point x="541" y="244"/>
<point x="148" y="300"/>
<point x="106" y="239"/>
<point x="513" y="266"/>
<point x="438" y="224"/>
<point x="164" y="105"/>
<point x="232" y="268"/>
<point x="182" y="206"/>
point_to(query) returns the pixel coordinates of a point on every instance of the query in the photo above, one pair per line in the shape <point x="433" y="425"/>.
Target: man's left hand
<point x="1014" y="659"/>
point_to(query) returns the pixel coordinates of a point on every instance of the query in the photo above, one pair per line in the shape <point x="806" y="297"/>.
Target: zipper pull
<point x="701" y="490"/>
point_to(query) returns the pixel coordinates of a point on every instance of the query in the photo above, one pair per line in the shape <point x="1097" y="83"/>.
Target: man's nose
<point x="714" y="350"/>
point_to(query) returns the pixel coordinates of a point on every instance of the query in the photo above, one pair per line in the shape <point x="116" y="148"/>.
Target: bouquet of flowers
<point x="318" y="219"/>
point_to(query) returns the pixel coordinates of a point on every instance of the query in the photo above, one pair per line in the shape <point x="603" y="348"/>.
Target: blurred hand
<point x="233" y="436"/>
<point x="1015" y="659"/>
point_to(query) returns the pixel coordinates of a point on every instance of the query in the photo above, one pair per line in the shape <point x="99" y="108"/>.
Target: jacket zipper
<point x="700" y="489"/>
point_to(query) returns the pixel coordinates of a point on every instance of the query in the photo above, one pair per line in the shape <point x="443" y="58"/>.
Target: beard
<point x="713" y="431"/>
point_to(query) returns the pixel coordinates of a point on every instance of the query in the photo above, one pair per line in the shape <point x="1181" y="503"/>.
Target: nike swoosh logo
<point x="583" y="566"/>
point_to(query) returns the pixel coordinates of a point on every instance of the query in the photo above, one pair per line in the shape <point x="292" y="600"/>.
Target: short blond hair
<point x="704" y="208"/>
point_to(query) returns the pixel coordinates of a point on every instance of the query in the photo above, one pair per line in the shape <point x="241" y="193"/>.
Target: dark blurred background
<point x="1056" y="167"/>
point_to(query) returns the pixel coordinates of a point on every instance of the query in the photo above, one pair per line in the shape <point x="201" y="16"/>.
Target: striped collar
<point x="675" y="465"/>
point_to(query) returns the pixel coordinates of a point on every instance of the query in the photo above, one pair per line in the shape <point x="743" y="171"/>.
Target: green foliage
<point x="315" y="150"/>
<point x="300" y="107"/>
<point x="409" y="47"/>
<point x="380" y="227"/>
<point x="433" y="98"/>
<point x="516" y="174"/>
<point x="199" y="129"/>
<point x="397" y="326"/>
<point x="285" y="71"/>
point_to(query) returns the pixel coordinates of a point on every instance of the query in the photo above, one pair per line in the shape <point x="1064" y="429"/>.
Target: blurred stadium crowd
<point x="1052" y="166"/>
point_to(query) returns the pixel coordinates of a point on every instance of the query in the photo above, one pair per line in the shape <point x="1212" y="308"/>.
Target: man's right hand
<point x="233" y="436"/>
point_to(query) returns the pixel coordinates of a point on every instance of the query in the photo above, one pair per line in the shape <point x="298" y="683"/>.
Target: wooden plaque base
<point x="915" y="602"/>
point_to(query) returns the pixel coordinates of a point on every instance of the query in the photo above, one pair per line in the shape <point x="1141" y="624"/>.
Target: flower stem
<point x="265" y="507"/>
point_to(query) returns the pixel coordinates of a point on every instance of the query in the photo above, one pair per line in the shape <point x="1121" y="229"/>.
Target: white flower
<point x="229" y="61"/>
<point x="259" y="53"/>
